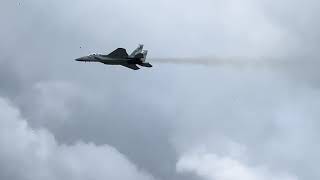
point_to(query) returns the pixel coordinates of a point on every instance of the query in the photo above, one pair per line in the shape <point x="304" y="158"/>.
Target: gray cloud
<point x="274" y="118"/>
<point x="155" y="117"/>
<point x="34" y="154"/>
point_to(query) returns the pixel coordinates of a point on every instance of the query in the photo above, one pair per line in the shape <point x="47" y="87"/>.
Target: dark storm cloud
<point x="159" y="118"/>
<point x="10" y="81"/>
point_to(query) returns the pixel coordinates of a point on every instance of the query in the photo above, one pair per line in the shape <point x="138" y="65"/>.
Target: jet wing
<point x="131" y="66"/>
<point x="119" y="53"/>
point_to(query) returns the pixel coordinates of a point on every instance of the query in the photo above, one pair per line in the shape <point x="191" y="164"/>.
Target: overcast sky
<point x="65" y="120"/>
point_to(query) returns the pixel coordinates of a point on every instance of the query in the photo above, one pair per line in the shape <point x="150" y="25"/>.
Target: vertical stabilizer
<point x="145" y="53"/>
<point x="137" y="50"/>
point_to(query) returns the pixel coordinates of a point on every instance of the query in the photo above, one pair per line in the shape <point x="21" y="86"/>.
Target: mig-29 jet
<point x="121" y="57"/>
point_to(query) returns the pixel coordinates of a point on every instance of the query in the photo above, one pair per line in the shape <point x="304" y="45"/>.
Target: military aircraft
<point x="121" y="57"/>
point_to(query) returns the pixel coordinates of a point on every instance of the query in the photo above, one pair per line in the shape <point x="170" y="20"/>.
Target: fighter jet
<point x="121" y="57"/>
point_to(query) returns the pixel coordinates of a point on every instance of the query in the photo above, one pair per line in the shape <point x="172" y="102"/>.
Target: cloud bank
<point x="213" y="167"/>
<point x="27" y="153"/>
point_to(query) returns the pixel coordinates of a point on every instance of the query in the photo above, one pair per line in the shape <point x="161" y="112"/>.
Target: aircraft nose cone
<point x="79" y="59"/>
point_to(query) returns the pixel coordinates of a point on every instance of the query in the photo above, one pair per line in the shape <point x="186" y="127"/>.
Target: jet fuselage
<point x="109" y="60"/>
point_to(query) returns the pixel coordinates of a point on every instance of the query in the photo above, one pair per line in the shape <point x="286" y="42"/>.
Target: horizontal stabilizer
<point x="145" y="64"/>
<point x="131" y="66"/>
<point x="118" y="53"/>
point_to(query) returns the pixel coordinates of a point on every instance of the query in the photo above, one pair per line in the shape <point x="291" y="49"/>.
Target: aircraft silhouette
<point x="121" y="57"/>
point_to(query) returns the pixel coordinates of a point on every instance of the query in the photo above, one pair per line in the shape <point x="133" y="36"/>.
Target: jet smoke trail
<point x="200" y="61"/>
<point x="239" y="62"/>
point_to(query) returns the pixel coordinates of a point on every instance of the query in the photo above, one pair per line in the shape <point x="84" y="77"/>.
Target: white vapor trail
<point x="238" y="62"/>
